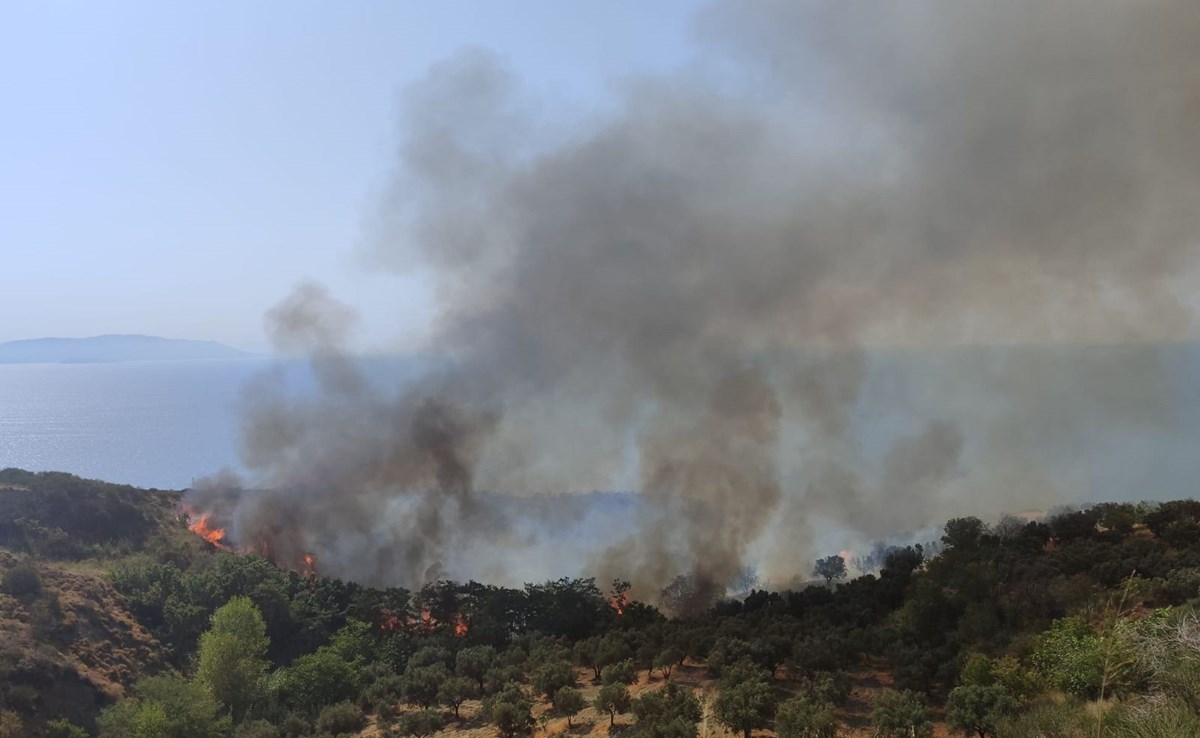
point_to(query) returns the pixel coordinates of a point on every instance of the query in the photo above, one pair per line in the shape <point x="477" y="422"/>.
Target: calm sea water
<point x="152" y="424"/>
<point x="1094" y="423"/>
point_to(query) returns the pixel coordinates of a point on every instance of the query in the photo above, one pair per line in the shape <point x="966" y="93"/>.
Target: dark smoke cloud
<point x="691" y="290"/>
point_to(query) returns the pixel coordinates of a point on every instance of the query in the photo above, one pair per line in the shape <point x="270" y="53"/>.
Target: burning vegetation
<point x="200" y="524"/>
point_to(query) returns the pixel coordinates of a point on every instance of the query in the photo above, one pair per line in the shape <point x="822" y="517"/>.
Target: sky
<point x="175" y="169"/>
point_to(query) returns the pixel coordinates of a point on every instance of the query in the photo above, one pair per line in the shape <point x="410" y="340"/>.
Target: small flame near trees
<point x="619" y="596"/>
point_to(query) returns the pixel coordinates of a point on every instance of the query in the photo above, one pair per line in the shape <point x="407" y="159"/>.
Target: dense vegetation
<point x="1081" y="624"/>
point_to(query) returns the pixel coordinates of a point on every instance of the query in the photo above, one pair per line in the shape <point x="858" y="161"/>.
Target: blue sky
<point x="175" y="169"/>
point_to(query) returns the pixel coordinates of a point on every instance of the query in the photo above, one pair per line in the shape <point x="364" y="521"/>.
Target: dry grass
<point x="854" y="716"/>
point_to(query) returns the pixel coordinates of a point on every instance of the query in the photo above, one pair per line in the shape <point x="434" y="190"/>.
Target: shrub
<point x="419" y="724"/>
<point x="63" y="728"/>
<point x="802" y="717"/>
<point x="256" y="729"/>
<point x="1070" y="658"/>
<point x="344" y="717"/>
<point x="900" y="715"/>
<point x="22" y="580"/>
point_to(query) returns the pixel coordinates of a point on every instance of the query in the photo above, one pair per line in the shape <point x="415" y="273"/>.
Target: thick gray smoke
<point x="688" y="294"/>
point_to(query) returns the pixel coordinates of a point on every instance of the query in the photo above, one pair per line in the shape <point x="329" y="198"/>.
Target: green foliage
<point x="419" y="723"/>
<point x="431" y="656"/>
<point x="232" y="656"/>
<point x="599" y="652"/>
<point x="1069" y="656"/>
<point x="1047" y="720"/>
<point x="21" y="580"/>
<point x="567" y="702"/>
<point x="1166" y="720"/>
<point x="666" y="659"/>
<point x="804" y="717"/>
<point x="830" y="568"/>
<point x="63" y="728"/>
<point x="612" y="699"/>
<point x="978" y="708"/>
<point x="826" y="687"/>
<point x="900" y="714"/>
<point x="454" y="691"/>
<point x="256" y="729"/>
<point x="474" y="662"/>
<point x="964" y="533"/>
<point x="745" y="700"/>
<point x="510" y="710"/>
<point x="553" y="676"/>
<point x="420" y="684"/>
<point x="165" y="707"/>
<point x="355" y="641"/>
<point x="670" y="712"/>
<point x="619" y="673"/>
<point x="318" y="679"/>
<point x="341" y="718"/>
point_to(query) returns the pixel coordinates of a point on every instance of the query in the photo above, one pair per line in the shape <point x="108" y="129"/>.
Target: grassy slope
<point x="72" y="647"/>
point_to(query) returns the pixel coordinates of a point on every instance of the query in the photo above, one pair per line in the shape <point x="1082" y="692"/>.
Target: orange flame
<point x="200" y="526"/>
<point x="619" y="602"/>
<point x="460" y="626"/>
<point x="310" y="566"/>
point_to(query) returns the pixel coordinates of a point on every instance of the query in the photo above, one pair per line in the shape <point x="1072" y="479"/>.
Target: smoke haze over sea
<point x="701" y="296"/>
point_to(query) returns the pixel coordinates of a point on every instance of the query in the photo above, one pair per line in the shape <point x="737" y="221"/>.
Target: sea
<point x="1094" y="423"/>
<point x="159" y="424"/>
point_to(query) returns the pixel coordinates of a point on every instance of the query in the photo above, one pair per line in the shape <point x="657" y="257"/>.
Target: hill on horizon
<point x="113" y="348"/>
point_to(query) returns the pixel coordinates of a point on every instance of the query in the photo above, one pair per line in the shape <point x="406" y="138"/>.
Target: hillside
<point x="1077" y="623"/>
<point x="112" y="348"/>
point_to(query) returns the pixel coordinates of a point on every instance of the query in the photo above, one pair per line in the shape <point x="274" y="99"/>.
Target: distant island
<point x="112" y="348"/>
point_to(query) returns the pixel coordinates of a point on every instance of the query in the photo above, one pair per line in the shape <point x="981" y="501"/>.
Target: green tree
<point x="568" y="701"/>
<point x="454" y="691"/>
<point x="232" y="656"/>
<point x="612" y="698"/>
<point x="670" y="712"/>
<point x="509" y="710"/>
<point x="419" y="723"/>
<point x="319" y="679"/>
<point x="830" y="568"/>
<point x="666" y="659"/>
<point x="1069" y="655"/>
<point x="474" y="663"/>
<point x="804" y="717"/>
<point x="977" y="709"/>
<point x="420" y="684"/>
<point x="256" y="729"/>
<point x="553" y="676"/>
<point x="618" y="673"/>
<point x="165" y="707"/>
<point x="745" y="700"/>
<point x="900" y="715"/>
<point x="341" y="718"/>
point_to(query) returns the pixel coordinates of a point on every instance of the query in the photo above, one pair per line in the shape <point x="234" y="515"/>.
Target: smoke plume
<point x="689" y="294"/>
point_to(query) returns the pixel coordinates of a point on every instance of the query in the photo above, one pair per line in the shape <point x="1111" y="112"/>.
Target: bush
<point x="256" y="729"/>
<point x="22" y="580"/>
<point x="11" y="725"/>
<point x="802" y="717"/>
<point x="63" y="728"/>
<point x="344" y="717"/>
<point x="974" y="708"/>
<point x="419" y="724"/>
<point x="1069" y="656"/>
<point x="901" y="715"/>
